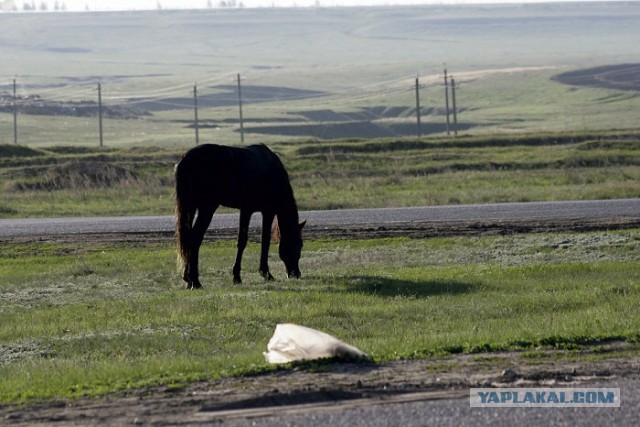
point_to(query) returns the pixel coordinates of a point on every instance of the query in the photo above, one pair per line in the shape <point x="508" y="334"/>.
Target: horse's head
<point x="290" y="249"/>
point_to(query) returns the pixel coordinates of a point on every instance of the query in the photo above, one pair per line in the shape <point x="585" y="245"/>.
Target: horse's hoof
<point x="294" y="275"/>
<point x="194" y="285"/>
<point x="237" y="280"/>
<point x="267" y="276"/>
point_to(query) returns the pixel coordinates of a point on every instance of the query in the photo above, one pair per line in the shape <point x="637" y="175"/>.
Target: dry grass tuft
<point x="80" y="175"/>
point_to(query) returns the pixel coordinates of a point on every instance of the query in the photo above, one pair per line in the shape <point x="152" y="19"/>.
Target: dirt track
<point x="331" y="385"/>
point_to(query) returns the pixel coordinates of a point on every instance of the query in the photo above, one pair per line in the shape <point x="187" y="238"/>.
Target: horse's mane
<point x="265" y="150"/>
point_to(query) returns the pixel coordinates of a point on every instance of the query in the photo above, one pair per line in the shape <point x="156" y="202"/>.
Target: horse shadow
<point x="392" y="287"/>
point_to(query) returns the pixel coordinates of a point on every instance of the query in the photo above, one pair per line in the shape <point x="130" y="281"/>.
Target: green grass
<point x="342" y="174"/>
<point x="93" y="318"/>
<point x="503" y="61"/>
<point x="88" y="319"/>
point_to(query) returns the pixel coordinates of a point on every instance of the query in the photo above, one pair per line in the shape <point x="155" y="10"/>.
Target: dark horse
<point x="251" y="179"/>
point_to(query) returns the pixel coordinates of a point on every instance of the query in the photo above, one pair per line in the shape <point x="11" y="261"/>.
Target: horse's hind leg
<point x="199" y="229"/>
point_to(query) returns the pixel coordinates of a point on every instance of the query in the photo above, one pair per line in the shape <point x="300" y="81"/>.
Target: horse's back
<point x="237" y="177"/>
<point x="213" y="154"/>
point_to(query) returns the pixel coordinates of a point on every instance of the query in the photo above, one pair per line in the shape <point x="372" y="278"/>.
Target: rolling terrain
<point x="321" y="73"/>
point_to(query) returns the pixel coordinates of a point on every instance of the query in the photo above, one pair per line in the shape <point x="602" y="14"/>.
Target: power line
<point x="195" y="109"/>
<point x="240" y="108"/>
<point x="186" y="96"/>
<point x="14" y="100"/>
<point x="100" y="113"/>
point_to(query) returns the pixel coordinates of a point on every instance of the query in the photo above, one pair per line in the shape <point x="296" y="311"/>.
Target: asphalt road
<point x="493" y="213"/>
<point x="456" y="412"/>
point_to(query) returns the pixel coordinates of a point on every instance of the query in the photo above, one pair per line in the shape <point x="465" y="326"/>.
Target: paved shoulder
<point x="434" y="215"/>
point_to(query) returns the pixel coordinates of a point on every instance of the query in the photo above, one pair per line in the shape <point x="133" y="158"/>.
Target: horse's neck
<point x="288" y="217"/>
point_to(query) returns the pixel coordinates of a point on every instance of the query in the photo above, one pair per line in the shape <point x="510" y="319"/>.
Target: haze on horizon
<point x="116" y="5"/>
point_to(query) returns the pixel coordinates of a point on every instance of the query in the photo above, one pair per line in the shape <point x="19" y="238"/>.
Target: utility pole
<point x="455" y="110"/>
<point x="418" y="107"/>
<point x="240" y="107"/>
<point x="195" y="109"/>
<point x="15" y="114"/>
<point x="446" y="98"/>
<point x="100" y="113"/>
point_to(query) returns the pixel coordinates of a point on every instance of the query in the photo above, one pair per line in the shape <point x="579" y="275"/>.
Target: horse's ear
<point x="276" y="232"/>
<point x="302" y="224"/>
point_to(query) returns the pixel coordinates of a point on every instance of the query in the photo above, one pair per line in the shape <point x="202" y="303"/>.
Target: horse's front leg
<point x="267" y="221"/>
<point x="243" y="237"/>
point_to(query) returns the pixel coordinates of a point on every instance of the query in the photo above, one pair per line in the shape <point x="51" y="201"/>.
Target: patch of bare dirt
<point x="417" y="230"/>
<point x="619" y="76"/>
<point x="331" y="385"/>
<point x="429" y="229"/>
<point x="38" y="106"/>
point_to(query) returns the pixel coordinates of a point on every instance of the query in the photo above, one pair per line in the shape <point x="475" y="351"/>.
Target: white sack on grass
<point x="294" y="342"/>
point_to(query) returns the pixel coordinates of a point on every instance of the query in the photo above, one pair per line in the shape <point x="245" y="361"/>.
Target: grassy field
<point x="502" y="57"/>
<point x="89" y="318"/>
<point x="82" y="181"/>
<point x="280" y="45"/>
<point x="92" y="318"/>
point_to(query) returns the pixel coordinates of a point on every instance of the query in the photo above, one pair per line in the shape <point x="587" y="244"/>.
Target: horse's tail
<point x="184" y="214"/>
